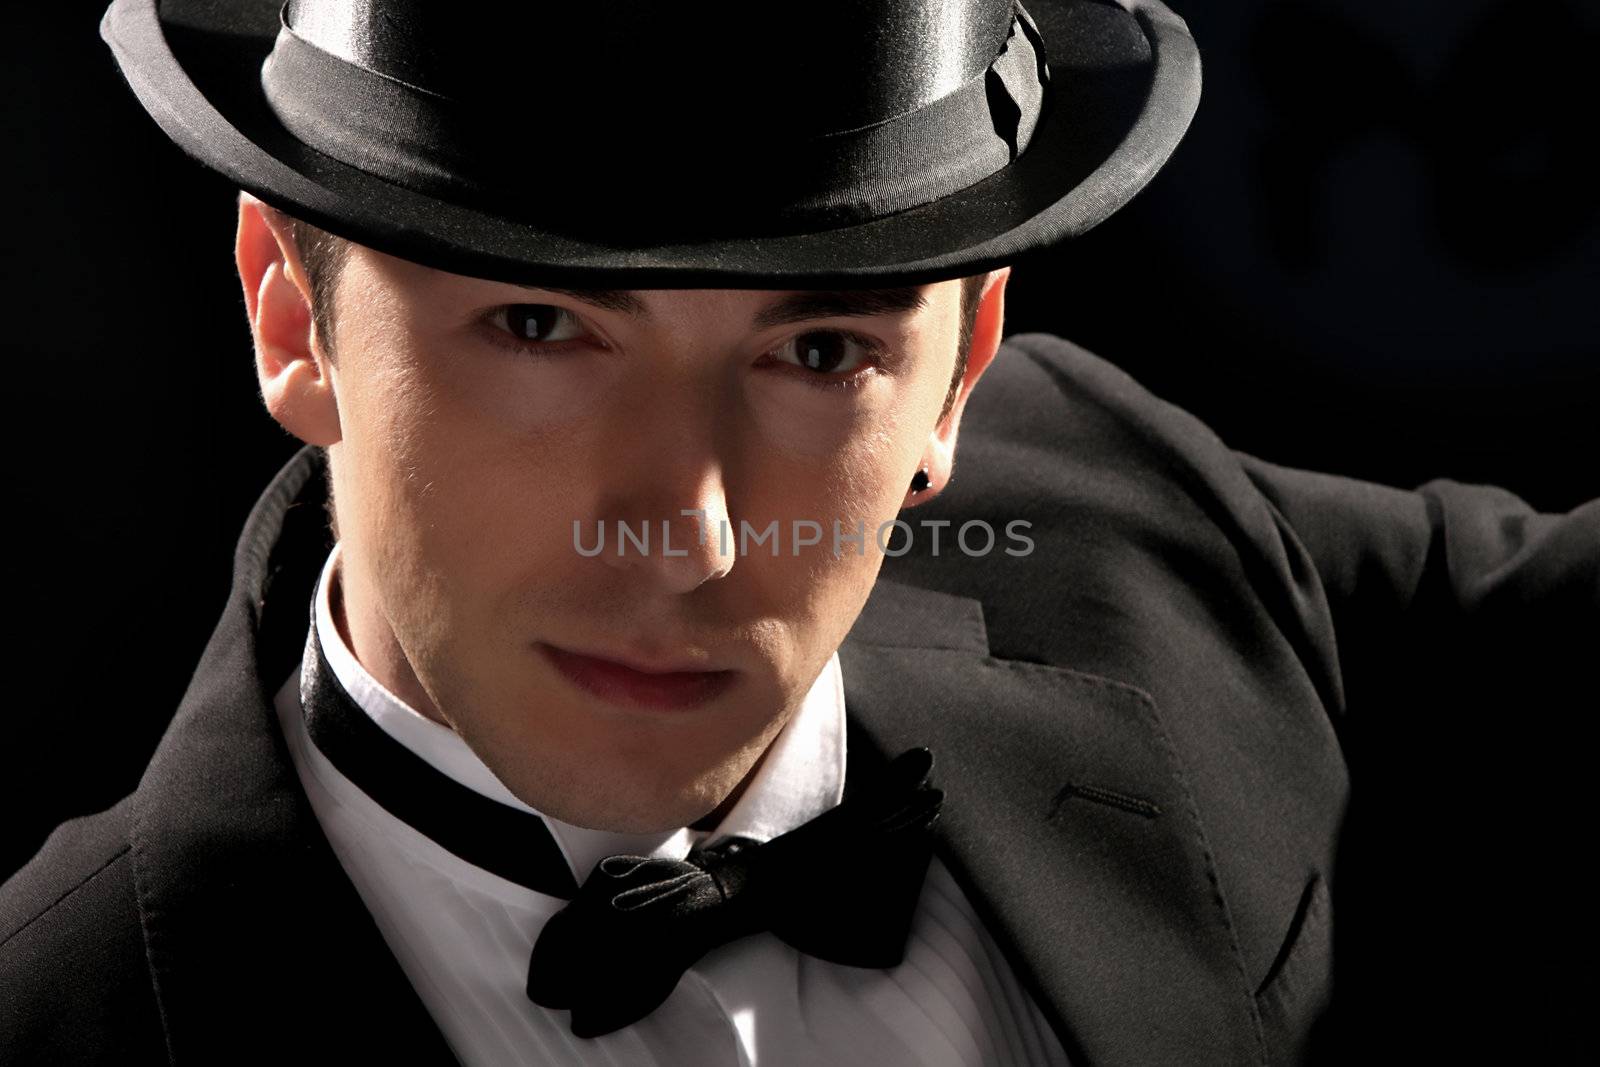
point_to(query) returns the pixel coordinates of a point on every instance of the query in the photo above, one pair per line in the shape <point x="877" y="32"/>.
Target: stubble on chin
<point x="642" y="784"/>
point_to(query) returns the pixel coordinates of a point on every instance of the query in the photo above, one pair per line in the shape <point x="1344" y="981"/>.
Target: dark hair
<point x="323" y="255"/>
<point x="971" y="293"/>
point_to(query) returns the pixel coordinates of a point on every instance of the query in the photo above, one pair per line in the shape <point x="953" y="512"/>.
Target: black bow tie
<point x="843" y="887"/>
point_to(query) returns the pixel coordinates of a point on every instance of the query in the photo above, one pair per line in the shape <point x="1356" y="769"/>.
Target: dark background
<point x="1376" y="253"/>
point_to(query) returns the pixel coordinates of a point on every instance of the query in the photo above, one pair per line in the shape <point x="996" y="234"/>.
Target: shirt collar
<point x="801" y="777"/>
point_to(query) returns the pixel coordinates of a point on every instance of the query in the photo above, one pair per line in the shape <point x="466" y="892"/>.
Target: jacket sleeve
<point x="1466" y="627"/>
<point x="1417" y="580"/>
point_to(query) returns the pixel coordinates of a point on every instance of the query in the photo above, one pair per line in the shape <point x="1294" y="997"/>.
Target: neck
<point x="368" y="635"/>
<point x="713" y="818"/>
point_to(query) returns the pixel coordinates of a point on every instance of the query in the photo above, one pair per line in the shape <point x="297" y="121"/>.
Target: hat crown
<point x="819" y="67"/>
<point x="655" y="121"/>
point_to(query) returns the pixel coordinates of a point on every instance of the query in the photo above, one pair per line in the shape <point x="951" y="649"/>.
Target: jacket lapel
<point x="1068" y="823"/>
<point x="259" y="946"/>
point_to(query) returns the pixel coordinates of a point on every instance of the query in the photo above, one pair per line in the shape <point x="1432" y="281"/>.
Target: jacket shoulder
<point x="74" y="982"/>
<point x="1043" y="378"/>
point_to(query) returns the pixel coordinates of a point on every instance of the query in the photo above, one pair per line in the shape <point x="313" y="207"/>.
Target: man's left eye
<point x="825" y="352"/>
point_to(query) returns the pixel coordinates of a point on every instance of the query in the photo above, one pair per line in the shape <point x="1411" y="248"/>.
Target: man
<point x="611" y="471"/>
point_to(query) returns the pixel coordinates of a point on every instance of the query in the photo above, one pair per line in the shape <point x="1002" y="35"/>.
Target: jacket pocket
<point x="1295" y="990"/>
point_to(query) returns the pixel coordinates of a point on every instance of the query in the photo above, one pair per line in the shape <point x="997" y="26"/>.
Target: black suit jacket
<point x="1143" y="729"/>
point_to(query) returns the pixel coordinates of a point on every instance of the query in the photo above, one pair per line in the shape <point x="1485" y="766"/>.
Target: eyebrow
<point x="840" y="303"/>
<point x="800" y="306"/>
<point x="609" y="299"/>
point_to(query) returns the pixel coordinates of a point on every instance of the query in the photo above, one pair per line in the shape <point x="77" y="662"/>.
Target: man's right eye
<point x="540" y="323"/>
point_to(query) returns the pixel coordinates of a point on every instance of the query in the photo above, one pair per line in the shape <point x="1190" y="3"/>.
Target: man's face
<point x="487" y="431"/>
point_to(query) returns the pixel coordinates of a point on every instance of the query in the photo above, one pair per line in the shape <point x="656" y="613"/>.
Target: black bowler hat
<point x="647" y="143"/>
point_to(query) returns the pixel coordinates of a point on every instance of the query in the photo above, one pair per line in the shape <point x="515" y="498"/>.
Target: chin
<point x="602" y="794"/>
<point x="635" y="813"/>
<point x="626" y="774"/>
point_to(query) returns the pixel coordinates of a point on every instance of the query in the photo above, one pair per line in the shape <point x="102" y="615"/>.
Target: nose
<point x="665" y="517"/>
<point x="677" y="547"/>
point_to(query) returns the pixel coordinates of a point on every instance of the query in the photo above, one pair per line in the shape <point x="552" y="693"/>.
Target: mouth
<point x="638" y="685"/>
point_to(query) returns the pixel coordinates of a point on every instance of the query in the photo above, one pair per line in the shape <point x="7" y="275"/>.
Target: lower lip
<point x="619" y="684"/>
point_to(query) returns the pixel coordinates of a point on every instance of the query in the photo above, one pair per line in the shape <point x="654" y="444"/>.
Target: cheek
<point x="465" y="517"/>
<point x="817" y="589"/>
<point x="833" y="431"/>
<point x="423" y="498"/>
<point x="846" y="469"/>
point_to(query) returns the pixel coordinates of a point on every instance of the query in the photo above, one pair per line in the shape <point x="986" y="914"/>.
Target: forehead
<point x="774" y="308"/>
<point x="766" y="307"/>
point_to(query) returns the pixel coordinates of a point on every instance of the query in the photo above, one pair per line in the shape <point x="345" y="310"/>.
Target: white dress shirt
<point x="463" y="935"/>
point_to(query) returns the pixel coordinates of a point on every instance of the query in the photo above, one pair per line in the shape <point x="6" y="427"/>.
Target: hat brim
<point x="1125" y="82"/>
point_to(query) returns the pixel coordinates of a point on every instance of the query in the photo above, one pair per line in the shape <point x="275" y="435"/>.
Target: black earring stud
<point x="920" y="481"/>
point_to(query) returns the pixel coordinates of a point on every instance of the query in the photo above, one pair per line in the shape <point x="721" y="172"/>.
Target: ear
<point x="939" y="456"/>
<point x="295" y="375"/>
